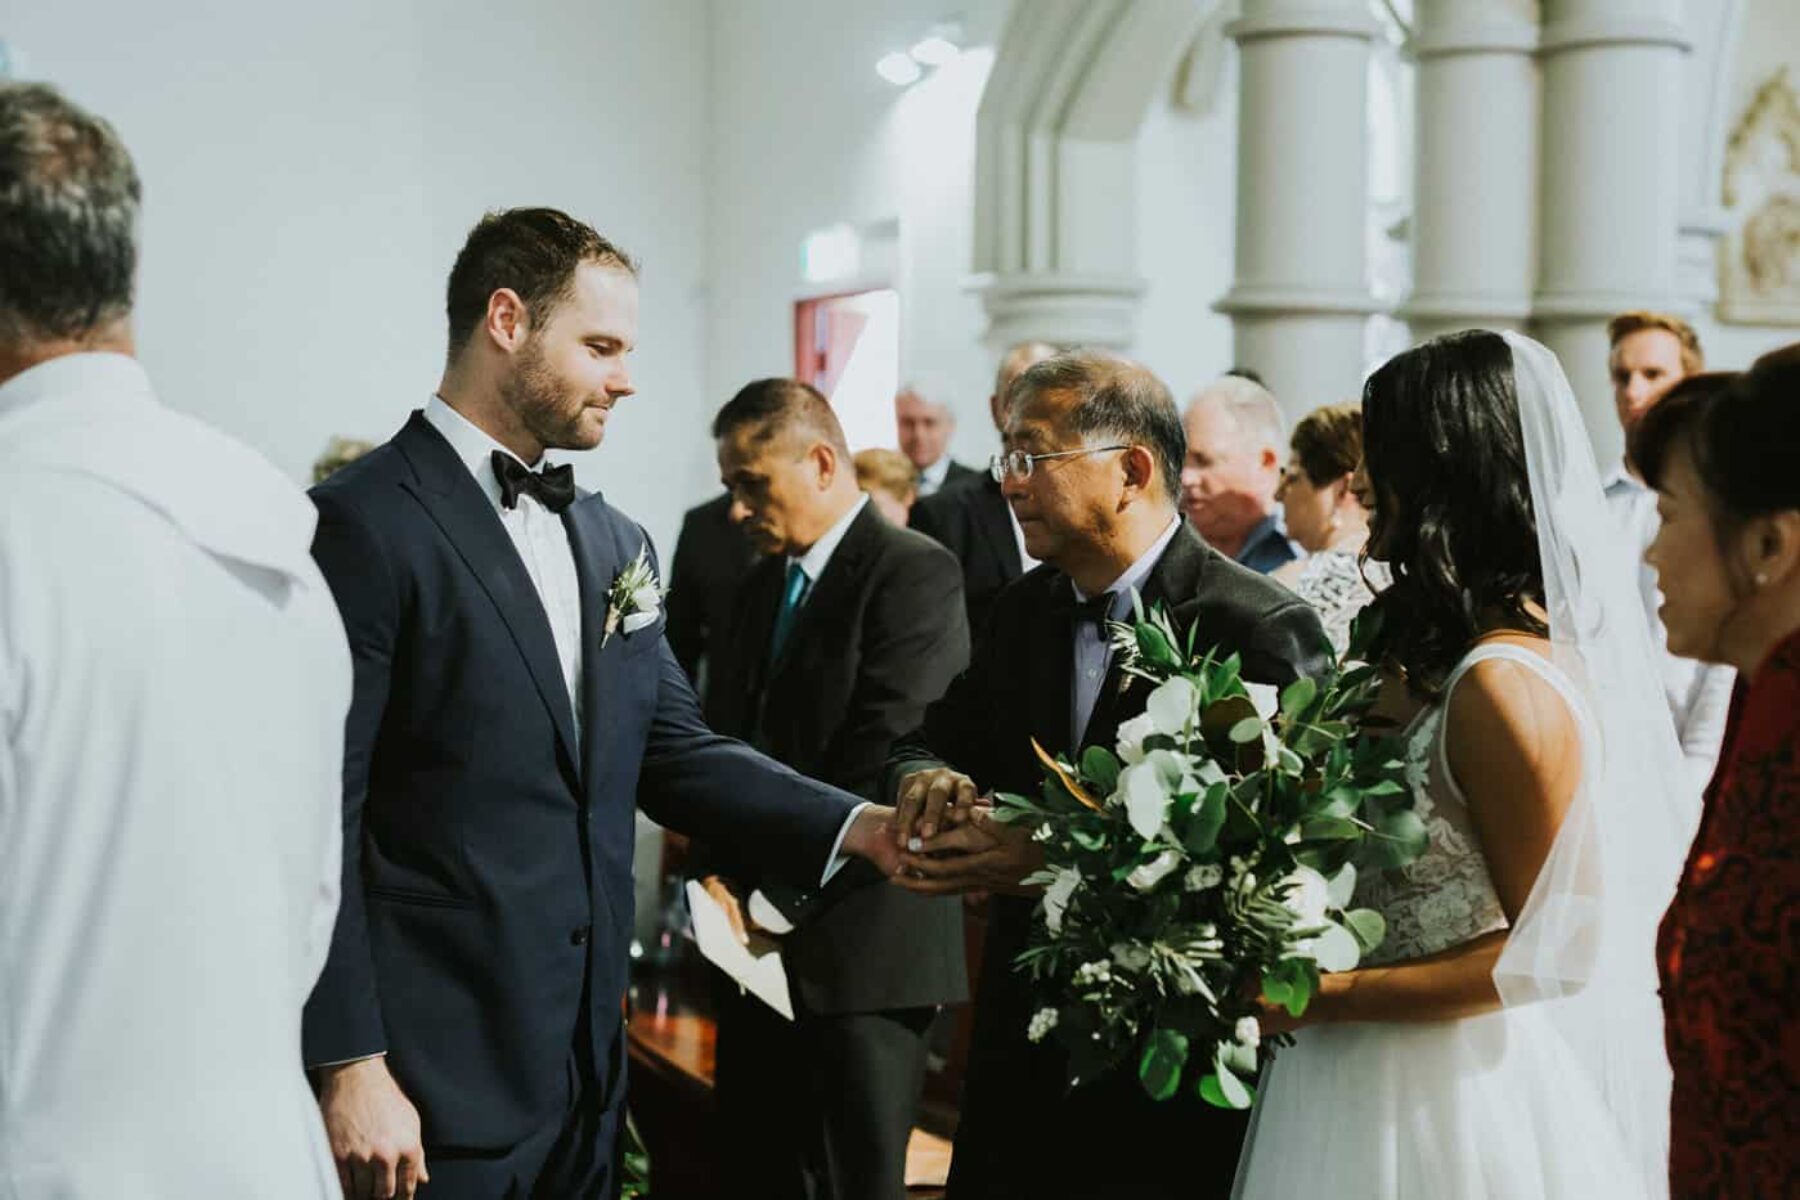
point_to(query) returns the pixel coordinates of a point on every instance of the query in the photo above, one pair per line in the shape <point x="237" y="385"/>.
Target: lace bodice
<point x="1445" y="897"/>
<point x="1332" y="582"/>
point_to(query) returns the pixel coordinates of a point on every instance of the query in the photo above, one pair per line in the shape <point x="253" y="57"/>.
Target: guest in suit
<point x="889" y="479"/>
<point x="1094" y="451"/>
<point x="925" y="426"/>
<point x="712" y="556"/>
<point x="1236" y="444"/>
<point x="846" y="631"/>
<point x="1720" y="452"/>
<point x="976" y="523"/>
<point x="513" y="693"/>
<point x="173" y="683"/>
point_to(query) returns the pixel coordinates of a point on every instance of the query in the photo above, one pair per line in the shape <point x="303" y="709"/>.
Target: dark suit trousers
<point x="818" y="1108"/>
<point x="1025" y="1136"/>
<point x="562" y="1160"/>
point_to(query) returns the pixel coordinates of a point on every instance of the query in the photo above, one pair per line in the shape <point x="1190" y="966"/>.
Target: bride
<point x="1504" y="1041"/>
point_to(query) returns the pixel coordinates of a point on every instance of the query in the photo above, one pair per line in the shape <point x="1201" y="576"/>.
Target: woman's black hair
<point x="1453" y="517"/>
<point x="1742" y="433"/>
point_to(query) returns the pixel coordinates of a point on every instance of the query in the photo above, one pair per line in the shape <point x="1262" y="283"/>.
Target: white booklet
<point x="757" y="967"/>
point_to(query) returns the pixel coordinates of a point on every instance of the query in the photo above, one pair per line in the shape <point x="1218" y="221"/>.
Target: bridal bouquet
<point x="1207" y="858"/>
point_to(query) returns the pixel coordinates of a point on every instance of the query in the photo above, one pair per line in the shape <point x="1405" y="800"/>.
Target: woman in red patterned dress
<point x="1723" y="453"/>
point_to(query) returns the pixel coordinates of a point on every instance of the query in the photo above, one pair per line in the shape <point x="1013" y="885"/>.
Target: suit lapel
<point x="1172" y="581"/>
<point x="462" y="510"/>
<point x="598" y="561"/>
<point x="1049" y="668"/>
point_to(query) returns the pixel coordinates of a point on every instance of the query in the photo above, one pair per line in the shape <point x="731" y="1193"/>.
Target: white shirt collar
<point x="1620" y="479"/>
<point x="814" y="561"/>
<point x="472" y="444"/>
<point x="74" y="374"/>
<point x="1137" y="572"/>
<point x="933" y="476"/>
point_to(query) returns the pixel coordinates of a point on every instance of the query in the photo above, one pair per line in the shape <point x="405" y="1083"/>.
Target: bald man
<point x="1236" y="443"/>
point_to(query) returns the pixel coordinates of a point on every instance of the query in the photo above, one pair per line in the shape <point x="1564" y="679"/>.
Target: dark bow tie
<point x="1096" y="612"/>
<point x="553" y="487"/>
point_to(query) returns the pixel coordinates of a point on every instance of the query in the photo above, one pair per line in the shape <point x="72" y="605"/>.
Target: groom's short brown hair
<point x="533" y="251"/>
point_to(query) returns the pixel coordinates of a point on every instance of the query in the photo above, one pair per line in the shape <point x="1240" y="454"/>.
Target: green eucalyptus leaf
<point x="1330" y="829"/>
<point x="1156" y="648"/>
<point x="1247" y="730"/>
<point x="1208" y="818"/>
<point x="1297" y="695"/>
<point x="1099" y="766"/>
<point x="1369" y="926"/>
<point x="1159" y="1070"/>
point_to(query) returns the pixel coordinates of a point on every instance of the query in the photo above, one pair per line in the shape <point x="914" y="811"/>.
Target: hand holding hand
<point x="374" y="1131"/>
<point x="979" y="853"/>
<point x="928" y="802"/>
<point x="871" y="836"/>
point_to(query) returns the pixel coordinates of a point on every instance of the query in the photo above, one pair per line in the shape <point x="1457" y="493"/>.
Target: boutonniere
<point x="635" y="599"/>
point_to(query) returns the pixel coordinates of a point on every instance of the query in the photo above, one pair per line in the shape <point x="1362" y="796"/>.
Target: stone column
<point x="1475" y="182"/>
<point x="1708" y="74"/>
<point x="1300" y="302"/>
<point x="1609" y="202"/>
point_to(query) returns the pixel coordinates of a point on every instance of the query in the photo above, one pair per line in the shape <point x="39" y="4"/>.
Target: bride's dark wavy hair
<point x="1452" y="516"/>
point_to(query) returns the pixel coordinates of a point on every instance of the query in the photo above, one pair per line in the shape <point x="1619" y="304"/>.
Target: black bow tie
<point x="1096" y="612"/>
<point x="553" y="487"/>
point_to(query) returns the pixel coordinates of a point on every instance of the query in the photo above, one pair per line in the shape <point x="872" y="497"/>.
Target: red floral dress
<point x="1728" y="956"/>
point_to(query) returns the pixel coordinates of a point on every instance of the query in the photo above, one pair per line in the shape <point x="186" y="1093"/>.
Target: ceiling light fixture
<point x="899" y="69"/>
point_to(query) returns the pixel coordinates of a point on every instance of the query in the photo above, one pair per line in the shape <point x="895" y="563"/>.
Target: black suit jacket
<point x="957" y="475"/>
<point x="880" y="637"/>
<point x="1023" y="1133"/>
<point x="973" y="523"/>
<point x="712" y="557"/>
<point x="487" y="842"/>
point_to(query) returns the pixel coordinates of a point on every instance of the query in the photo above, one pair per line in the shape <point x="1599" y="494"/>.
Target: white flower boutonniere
<point x="635" y="600"/>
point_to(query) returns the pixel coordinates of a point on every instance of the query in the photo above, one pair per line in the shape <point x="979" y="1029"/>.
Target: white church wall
<point x="1769" y="40"/>
<point x="804" y="136"/>
<point x="310" y="173"/>
<point x="1187" y="203"/>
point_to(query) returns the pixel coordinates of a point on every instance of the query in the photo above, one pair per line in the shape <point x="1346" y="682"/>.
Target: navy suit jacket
<point x="487" y="846"/>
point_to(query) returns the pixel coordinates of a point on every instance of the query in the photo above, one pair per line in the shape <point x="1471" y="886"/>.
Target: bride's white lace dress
<point x="1475" y="1109"/>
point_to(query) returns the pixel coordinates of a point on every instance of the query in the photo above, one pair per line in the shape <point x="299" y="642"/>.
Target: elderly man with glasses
<point x="1092" y="468"/>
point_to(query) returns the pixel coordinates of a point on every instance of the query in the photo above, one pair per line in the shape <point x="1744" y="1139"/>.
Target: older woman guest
<point x="1721" y="453"/>
<point x="1324" y="515"/>
<point x="891" y="481"/>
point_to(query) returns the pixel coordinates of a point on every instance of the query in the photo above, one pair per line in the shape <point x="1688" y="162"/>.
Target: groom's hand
<point x="871" y="836"/>
<point x="374" y="1131"/>
<point x="927" y="802"/>
<point x="978" y="854"/>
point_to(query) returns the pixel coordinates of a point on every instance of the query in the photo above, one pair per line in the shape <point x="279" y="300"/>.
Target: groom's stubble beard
<point x="549" y="409"/>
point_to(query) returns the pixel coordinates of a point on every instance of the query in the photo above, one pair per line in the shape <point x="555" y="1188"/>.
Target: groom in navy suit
<point x="514" y="694"/>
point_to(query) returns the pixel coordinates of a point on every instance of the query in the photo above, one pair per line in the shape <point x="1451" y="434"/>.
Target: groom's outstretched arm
<point x="717" y="789"/>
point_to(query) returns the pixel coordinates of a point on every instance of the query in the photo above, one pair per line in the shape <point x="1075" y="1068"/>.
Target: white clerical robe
<point x="174" y="680"/>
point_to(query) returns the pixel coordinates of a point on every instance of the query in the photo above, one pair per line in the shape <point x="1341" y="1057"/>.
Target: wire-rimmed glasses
<point x="1016" y="464"/>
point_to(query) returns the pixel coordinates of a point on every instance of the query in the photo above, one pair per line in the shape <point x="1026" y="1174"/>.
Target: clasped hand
<point x="950" y="841"/>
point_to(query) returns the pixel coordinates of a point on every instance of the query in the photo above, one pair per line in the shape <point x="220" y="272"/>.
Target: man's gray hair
<point x="1115" y="399"/>
<point x="69" y="199"/>
<point x="1251" y="407"/>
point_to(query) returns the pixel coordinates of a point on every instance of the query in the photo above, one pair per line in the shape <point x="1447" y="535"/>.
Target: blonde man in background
<point x="1651" y="353"/>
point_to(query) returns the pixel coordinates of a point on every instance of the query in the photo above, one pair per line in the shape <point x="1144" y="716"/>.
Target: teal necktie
<point x="792" y="597"/>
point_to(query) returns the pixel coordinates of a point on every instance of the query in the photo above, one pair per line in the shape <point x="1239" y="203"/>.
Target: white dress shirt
<point x="537" y="534"/>
<point x="818" y="557"/>
<point x="1092" y="648"/>
<point x="174" y="680"/>
<point x="1698" y="694"/>
<point x="543" y="545"/>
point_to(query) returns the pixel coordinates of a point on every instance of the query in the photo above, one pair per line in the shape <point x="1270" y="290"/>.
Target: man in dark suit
<point x="513" y="693"/>
<point x="1095" y="452"/>
<point x="845" y="632"/>
<point x="712" y="557"/>
<point x="973" y="520"/>
<point x="924" y="427"/>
